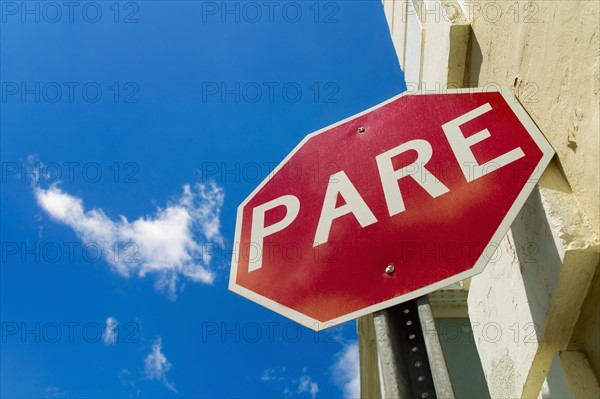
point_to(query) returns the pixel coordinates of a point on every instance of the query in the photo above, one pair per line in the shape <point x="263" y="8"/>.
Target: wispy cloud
<point x="346" y="370"/>
<point x="175" y="243"/>
<point x="125" y="378"/>
<point x="156" y="365"/>
<point x="53" y="392"/>
<point x="292" y="385"/>
<point x="306" y="384"/>
<point x="109" y="337"/>
<point x="271" y="375"/>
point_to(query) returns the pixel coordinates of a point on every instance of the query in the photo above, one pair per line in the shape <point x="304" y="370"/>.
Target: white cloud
<point x="303" y="384"/>
<point x="346" y="370"/>
<point x="176" y="241"/>
<point x="111" y="331"/>
<point x="156" y="365"/>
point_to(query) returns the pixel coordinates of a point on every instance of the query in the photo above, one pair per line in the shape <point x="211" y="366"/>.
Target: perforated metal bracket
<point x="411" y="360"/>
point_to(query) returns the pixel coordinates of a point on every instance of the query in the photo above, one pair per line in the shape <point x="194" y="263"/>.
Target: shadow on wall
<point x="475" y="59"/>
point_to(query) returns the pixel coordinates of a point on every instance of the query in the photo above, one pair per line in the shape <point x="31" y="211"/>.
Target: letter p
<point x="9" y="8"/>
<point x="209" y="8"/>
<point x="259" y="231"/>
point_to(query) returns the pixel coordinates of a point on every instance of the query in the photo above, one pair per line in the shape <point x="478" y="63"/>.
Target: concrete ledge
<point x="579" y="374"/>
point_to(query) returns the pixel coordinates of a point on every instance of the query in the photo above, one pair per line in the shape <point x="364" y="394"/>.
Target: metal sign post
<point x="411" y="360"/>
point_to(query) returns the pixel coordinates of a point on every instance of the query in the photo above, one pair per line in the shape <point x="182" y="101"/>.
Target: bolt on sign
<point x="398" y="201"/>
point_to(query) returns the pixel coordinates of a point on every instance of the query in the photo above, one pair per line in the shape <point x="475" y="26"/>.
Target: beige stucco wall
<point x="549" y="53"/>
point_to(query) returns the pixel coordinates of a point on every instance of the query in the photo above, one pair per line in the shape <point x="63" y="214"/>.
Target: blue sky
<point x="130" y="132"/>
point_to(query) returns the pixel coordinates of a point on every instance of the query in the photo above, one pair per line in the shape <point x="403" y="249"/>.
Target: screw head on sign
<point x="389" y="270"/>
<point x="361" y="129"/>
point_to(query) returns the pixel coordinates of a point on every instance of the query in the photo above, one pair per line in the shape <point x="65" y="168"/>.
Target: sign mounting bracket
<point x="411" y="363"/>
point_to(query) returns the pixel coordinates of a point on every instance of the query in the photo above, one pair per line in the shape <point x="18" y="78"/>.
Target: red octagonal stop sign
<point x="390" y="204"/>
